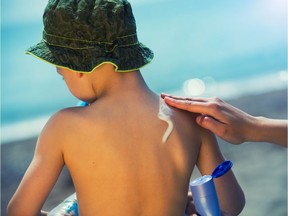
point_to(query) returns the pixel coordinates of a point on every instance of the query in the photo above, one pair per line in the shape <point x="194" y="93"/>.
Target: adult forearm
<point x="270" y="130"/>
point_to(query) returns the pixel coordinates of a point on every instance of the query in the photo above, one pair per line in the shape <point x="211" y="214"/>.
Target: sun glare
<point x="194" y="87"/>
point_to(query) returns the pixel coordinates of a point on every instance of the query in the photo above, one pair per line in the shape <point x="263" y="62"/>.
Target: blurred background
<point x="236" y="50"/>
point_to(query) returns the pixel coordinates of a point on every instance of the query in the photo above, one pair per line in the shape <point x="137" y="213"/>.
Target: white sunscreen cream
<point x="165" y="114"/>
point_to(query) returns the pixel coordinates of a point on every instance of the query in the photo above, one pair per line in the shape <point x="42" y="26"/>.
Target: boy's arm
<point x="230" y="195"/>
<point x="41" y="175"/>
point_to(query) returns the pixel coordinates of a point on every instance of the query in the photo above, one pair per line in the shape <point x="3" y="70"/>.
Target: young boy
<point x="113" y="148"/>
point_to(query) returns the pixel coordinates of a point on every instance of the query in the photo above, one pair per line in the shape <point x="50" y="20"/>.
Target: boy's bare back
<point x="118" y="162"/>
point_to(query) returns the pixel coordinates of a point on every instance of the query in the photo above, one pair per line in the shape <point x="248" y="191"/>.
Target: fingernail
<point x="163" y="95"/>
<point x="199" y="119"/>
<point x="167" y="98"/>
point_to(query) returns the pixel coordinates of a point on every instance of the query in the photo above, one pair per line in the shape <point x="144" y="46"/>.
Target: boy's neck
<point x="111" y="83"/>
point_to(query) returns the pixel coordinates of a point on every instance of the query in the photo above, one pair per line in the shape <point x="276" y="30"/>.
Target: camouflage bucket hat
<point x="83" y="34"/>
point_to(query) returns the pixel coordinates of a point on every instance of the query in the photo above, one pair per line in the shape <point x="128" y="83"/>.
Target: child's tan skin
<point x="114" y="152"/>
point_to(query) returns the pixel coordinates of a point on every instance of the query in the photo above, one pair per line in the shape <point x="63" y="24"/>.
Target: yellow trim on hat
<point x="106" y="62"/>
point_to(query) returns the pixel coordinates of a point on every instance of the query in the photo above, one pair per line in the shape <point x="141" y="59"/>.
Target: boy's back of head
<point x="81" y="35"/>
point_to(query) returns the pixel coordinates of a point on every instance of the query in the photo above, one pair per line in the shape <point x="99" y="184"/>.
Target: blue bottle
<point x="82" y="103"/>
<point x="204" y="192"/>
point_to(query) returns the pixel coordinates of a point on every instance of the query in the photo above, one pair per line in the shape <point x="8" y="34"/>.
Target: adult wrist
<point x="270" y="130"/>
<point x="255" y="129"/>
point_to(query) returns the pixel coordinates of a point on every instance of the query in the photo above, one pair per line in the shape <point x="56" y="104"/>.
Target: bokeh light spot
<point x="194" y="87"/>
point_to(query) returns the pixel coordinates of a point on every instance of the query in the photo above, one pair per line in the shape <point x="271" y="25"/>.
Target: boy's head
<point x="82" y="34"/>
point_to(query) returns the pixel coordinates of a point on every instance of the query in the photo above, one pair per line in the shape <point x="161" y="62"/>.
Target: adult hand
<point x="229" y="123"/>
<point x="221" y="118"/>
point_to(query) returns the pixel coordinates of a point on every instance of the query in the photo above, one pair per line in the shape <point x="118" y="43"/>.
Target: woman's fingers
<point x="190" y="105"/>
<point x="164" y="95"/>
<point x="212" y="124"/>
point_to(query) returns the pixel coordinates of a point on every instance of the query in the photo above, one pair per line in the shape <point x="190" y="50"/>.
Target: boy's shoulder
<point x="65" y="122"/>
<point x="185" y="117"/>
<point x="66" y="116"/>
<point x="186" y="122"/>
<point x="58" y="129"/>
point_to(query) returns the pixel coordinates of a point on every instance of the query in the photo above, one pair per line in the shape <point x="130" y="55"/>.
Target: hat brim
<point x="124" y="59"/>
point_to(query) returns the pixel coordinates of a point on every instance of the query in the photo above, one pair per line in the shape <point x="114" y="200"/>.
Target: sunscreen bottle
<point x="82" y="104"/>
<point x="69" y="207"/>
<point x="204" y="192"/>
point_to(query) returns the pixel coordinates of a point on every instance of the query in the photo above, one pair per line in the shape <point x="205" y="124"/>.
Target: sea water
<point x="197" y="54"/>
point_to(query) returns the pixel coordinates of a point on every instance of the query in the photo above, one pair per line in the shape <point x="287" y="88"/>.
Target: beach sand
<point x="261" y="168"/>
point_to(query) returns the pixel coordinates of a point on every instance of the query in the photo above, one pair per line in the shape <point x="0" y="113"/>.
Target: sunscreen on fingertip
<point x="204" y="192"/>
